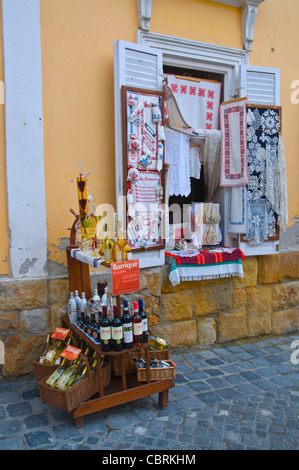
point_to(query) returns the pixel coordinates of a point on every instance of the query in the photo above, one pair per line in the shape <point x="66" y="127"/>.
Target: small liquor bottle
<point x="117" y="331"/>
<point x="137" y="326"/>
<point x="144" y="321"/>
<point x="117" y="254"/>
<point x="108" y="248"/>
<point x="127" y="327"/>
<point x="127" y="253"/>
<point x="105" y="331"/>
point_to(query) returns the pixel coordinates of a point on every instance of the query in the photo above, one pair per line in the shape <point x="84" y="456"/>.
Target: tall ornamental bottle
<point x="72" y="309"/>
<point x="105" y="331"/>
<point x="117" y="331"/>
<point x="127" y="327"/>
<point x="144" y="321"/>
<point x="83" y="312"/>
<point x="137" y="326"/>
<point x="78" y="303"/>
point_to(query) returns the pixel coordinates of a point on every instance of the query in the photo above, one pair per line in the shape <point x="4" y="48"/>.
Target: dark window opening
<point x="198" y="188"/>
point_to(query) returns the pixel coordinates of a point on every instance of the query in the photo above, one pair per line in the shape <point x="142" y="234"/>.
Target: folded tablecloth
<point x="205" y="264"/>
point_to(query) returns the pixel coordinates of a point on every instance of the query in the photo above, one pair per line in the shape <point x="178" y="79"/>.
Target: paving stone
<point x="240" y="395"/>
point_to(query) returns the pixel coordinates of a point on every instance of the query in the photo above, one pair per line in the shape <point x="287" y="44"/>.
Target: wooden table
<point x="121" y="389"/>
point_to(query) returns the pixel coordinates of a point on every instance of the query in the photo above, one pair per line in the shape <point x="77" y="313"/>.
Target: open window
<point x="144" y="65"/>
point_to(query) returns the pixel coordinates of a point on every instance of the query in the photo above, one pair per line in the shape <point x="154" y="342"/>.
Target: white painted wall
<point x="24" y="138"/>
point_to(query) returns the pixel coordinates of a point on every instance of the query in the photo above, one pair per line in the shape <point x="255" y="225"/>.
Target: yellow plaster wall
<point x="4" y="247"/>
<point x="78" y="105"/>
<point x="276" y="40"/>
<point x="77" y="65"/>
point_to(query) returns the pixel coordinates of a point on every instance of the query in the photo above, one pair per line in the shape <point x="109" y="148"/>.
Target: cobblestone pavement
<point x="240" y="395"/>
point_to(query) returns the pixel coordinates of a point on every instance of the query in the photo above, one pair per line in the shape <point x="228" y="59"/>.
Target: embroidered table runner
<point x="234" y="169"/>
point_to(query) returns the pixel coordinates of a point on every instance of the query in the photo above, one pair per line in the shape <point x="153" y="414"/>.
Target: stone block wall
<point x="265" y="301"/>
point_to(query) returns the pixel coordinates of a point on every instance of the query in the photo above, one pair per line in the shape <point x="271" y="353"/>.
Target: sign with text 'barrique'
<point x="125" y="276"/>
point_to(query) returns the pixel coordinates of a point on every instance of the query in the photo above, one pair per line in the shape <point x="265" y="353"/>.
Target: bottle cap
<point x="140" y="302"/>
<point x="126" y="304"/>
<point x="115" y="310"/>
<point x="135" y="305"/>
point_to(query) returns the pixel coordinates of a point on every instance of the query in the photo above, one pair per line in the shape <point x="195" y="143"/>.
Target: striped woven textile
<point x="219" y="255"/>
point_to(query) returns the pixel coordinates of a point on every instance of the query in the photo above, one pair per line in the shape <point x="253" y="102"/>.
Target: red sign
<point x="60" y="333"/>
<point x="125" y="276"/>
<point x="71" y="353"/>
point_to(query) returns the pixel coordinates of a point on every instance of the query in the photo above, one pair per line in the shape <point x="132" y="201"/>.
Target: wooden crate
<point x="158" y="373"/>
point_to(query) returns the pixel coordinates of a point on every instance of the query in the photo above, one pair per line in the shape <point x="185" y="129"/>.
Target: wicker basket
<point x="42" y="371"/>
<point x="130" y="364"/>
<point x="68" y="400"/>
<point x="158" y="373"/>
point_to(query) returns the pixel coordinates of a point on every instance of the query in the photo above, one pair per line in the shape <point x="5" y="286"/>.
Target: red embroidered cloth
<point x="206" y="256"/>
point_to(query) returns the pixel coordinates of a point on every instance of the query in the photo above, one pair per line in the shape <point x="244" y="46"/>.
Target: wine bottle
<point x="72" y="309"/>
<point x="105" y="331"/>
<point x="83" y="310"/>
<point x="96" y="333"/>
<point x="127" y="327"/>
<point x="53" y="352"/>
<point x="91" y="325"/>
<point x="68" y="374"/>
<point x="144" y="321"/>
<point x="78" y="378"/>
<point x="117" y="331"/>
<point x="137" y="326"/>
<point x="58" y="372"/>
<point x="45" y="350"/>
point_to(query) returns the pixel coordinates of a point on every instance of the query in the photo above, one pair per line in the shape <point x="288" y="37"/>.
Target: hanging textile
<point x="177" y="155"/>
<point x="194" y="161"/>
<point x="266" y="165"/>
<point x="282" y="184"/>
<point x="212" y="161"/>
<point x="257" y="222"/>
<point x="173" y="115"/>
<point x="198" y="100"/>
<point x="237" y="210"/>
<point x="234" y="169"/>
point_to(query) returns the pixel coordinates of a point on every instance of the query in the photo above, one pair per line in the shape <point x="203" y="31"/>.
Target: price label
<point x="71" y="353"/>
<point x="60" y="333"/>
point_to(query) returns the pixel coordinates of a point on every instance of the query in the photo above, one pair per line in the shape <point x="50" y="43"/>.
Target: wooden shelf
<point x="124" y="388"/>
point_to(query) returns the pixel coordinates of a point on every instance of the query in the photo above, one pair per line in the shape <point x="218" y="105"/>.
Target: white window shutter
<point x="137" y="66"/>
<point x="261" y="85"/>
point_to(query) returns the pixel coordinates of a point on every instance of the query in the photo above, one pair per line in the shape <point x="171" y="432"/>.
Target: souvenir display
<point x="144" y="163"/>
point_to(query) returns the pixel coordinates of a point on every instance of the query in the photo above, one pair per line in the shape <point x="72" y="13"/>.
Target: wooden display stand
<point x="121" y="389"/>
